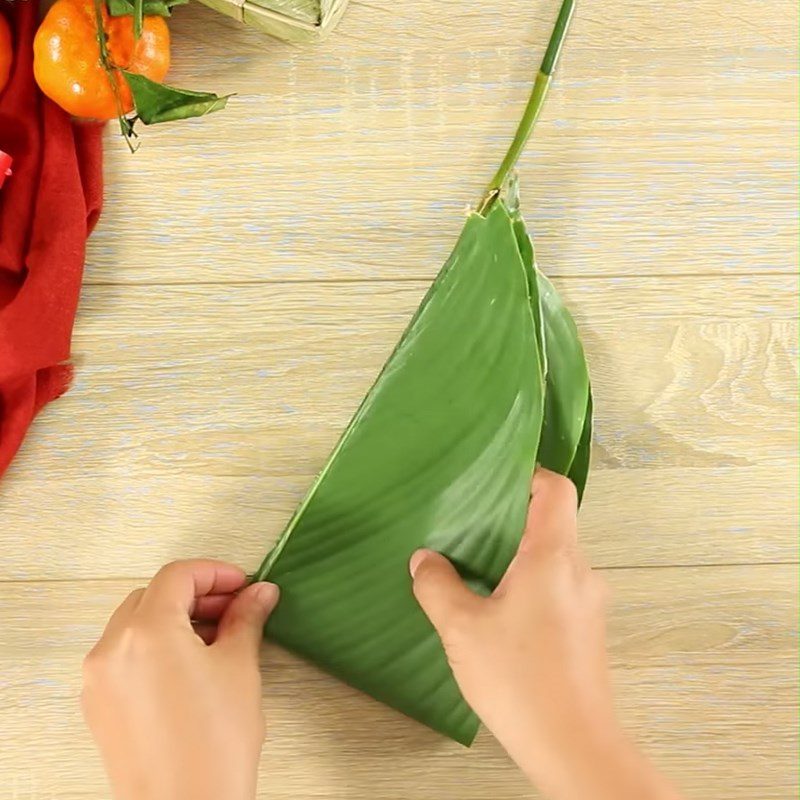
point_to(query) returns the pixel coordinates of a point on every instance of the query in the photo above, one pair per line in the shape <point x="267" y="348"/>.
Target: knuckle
<point x="171" y="569"/>
<point x="564" y="556"/>
<point x="451" y="635"/>
<point x="136" y="639"/>
<point x="92" y="664"/>
<point x="467" y="633"/>
<point x="559" y="562"/>
<point x="135" y="595"/>
<point x="462" y="617"/>
<point x="457" y="621"/>
<point x="245" y="615"/>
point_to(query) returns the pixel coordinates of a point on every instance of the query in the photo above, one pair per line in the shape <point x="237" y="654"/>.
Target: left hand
<point x="172" y="691"/>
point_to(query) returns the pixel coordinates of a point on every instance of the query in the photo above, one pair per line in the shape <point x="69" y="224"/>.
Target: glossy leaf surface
<point x="440" y="455"/>
<point x="567" y="382"/>
<point x="157" y="102"/>
<point x="566" y="429"/>
<point x="489" y="377"/>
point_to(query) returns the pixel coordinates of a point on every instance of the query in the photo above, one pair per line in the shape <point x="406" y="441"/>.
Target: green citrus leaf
<point x="156" y="102"/>
<point x="159" y="8"/>
<point x="440" y="454"/>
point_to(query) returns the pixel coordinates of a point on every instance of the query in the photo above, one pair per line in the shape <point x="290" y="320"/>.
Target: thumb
<point x="242" y="625"/>
<point x="439" y="589"/>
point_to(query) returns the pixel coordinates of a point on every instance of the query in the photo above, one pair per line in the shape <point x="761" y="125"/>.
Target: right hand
<point x="531" y="659"/>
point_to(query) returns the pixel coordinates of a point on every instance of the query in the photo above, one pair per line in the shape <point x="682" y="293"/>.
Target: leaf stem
<point x="534" y="107"/>
<point x="138" y="18"/>
<point x="101" y="35"/>
<point x="111" y="71"/>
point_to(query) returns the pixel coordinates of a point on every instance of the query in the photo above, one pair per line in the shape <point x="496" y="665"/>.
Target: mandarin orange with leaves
<point x="80" y="71"/>
<point x="6" y="52"/>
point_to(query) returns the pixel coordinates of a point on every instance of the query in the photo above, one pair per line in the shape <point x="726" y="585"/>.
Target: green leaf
<point x="580" y="465"/>
<point x="567" y="382"/>
<point x="525" y="246"/>
<point x="159" y="8"/>
<point x="440" y="455"/>
<point x="156" y="102"/>
<point x="488" y="378"/>
<point x="567" y="385"/>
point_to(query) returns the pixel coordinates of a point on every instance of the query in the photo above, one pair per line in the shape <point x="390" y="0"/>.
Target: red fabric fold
<point x="47" y="209"/>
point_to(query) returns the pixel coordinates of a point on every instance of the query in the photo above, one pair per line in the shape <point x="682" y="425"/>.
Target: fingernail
<point x="267" y="594"/>
<point x="416" y="559"/>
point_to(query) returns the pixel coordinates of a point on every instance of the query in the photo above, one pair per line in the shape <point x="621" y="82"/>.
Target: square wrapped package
<point x="293" y="20"/>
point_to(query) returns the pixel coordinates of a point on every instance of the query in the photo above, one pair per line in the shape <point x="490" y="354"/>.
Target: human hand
<point x="531" y="658"/>
<point x="172" y="691"/>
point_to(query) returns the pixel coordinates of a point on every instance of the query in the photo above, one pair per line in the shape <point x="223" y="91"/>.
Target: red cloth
<point x="47" y="209"/>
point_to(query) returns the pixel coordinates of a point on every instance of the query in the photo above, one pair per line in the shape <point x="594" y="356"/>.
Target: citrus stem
<point x="533" y="108"/>
<point x="101" y="35"/>
<point x="138" y="18"/>
<point x="111" y="71"/>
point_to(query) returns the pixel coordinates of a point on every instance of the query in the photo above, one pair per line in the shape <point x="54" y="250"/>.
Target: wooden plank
<point x="127" y="522"/>
<point x="200" y="415"/>
<point x="656" y="154"/>
<point x="704" y="669"/>
<point x="721" y="730"/>
<point x="631" y="25"/>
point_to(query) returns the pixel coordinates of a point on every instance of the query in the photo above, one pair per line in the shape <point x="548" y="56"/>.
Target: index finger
<point x="176" y="586"/>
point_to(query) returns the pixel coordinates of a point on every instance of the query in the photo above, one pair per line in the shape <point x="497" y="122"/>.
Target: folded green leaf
<point x="525" y="246"/>
<point x="156" y="102"/>
<point x="488" y="379"/>
<point x="567" y="382"/>
<point x="580" y="464"/>
<point x="160" y="8"/>
<point x="440" y="455"/>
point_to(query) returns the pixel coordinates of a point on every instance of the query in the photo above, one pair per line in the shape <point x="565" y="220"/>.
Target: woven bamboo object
<point x="293" y="20"/>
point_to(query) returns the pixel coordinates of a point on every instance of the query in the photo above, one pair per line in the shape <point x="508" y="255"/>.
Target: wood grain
<point x="253" y="269"/>
<point x="703" y="663"/>
<point x="690" y="394"/>
<point x="112" y="522"/>
<point x="666" y="146"/>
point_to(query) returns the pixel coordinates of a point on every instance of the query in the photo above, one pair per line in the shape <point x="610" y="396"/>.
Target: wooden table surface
<point x="252" y="271"/>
